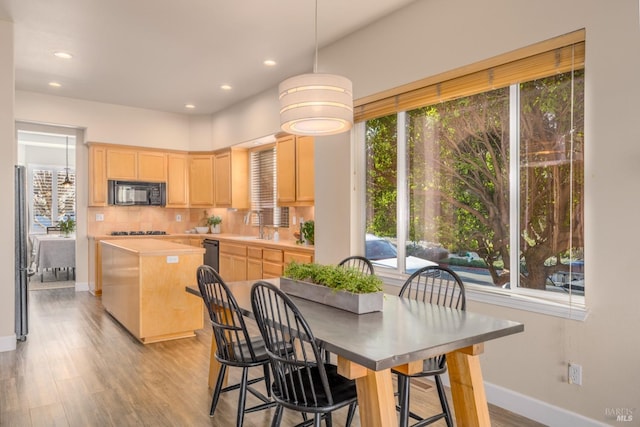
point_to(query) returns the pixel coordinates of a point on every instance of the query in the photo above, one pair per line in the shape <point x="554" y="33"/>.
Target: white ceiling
<point x="163" y="54"/>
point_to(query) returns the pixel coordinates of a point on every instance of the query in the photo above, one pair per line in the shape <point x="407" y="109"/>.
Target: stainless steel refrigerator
<point x="22" y="255"/>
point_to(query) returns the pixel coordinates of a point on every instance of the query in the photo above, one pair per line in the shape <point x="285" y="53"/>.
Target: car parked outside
<point x="383" y="253"/>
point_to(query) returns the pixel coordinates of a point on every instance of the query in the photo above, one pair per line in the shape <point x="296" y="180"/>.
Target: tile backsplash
<point x="145" y="218"/>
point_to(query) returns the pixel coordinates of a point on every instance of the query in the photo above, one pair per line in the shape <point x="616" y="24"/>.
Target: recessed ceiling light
<point x="63" y="55"/>
<point x="269" y="62"/>
<point x="55" y="84"/>
<point x="225" y="87"/>
<point x="189" y="106"/>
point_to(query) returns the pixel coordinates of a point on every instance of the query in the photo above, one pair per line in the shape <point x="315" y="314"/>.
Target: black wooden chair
<point x="441" y="286"/>
<point x="235" y="348"/>
<point x="302" y="380"/>
<point x="358" y="263"/>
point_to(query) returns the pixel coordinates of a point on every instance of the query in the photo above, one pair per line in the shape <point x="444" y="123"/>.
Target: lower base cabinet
<point x="247" y="262"/>
<point x="233" y="262"/>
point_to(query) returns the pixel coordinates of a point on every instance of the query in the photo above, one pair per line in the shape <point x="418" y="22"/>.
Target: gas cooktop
<point x="139" y="233"/>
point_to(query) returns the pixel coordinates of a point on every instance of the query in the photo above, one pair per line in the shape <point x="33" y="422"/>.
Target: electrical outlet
<point x="99" y="217"/>
<point x="575" y="374"/>
<point x="293" y="220"/>
<point x="178" y="218"/>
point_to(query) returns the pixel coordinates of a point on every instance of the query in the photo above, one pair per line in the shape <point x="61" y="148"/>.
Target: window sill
<point x="559" y="305"/>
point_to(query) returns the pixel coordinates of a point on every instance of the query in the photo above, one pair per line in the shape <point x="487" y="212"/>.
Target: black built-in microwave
<point x="129" y="193"/>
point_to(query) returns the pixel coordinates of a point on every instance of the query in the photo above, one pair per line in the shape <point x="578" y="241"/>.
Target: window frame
<point x="402" y="99"/>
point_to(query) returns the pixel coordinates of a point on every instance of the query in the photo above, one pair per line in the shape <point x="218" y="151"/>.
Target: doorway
<point x="48" y="154"/>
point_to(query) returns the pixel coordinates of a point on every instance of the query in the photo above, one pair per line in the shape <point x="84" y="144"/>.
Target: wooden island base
<point x="143" y="284"/>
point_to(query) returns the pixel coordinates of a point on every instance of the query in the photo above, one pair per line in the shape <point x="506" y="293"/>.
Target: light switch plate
<point x="99" y="217"/>
<point x="172" y="259"/>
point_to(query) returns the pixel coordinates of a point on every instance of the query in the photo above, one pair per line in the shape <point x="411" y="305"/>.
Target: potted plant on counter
<point x="67" y="225"/>
<point x="344" y="288"/>
<point x="307" y="231"/>
<point x="214" y="222"/>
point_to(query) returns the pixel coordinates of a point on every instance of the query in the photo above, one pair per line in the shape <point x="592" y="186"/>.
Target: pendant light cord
<point x="315" y="63"/>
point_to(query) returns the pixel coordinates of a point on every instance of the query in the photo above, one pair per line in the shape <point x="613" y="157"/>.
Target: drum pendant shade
<point x="316" y="104"/>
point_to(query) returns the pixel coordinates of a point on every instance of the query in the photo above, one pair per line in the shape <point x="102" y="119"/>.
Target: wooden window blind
<point x="66" y="195"/>
<point x="543" y="59"/>
<point x="264" y="188"/>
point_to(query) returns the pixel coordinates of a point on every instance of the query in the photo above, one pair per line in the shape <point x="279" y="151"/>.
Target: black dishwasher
<point x="212" y="248"/>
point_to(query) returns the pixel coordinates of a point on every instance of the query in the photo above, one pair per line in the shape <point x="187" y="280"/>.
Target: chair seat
<point x="343" y="389"/>
<point x="259" y="350"/>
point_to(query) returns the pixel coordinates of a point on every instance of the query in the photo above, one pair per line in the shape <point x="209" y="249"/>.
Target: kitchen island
<point x="143" y="284"/>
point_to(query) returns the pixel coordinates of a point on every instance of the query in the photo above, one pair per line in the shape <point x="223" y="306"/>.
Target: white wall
<point x="8" y="152"/>
<point x="248" y="120"/>
<point x="109" y="123"/>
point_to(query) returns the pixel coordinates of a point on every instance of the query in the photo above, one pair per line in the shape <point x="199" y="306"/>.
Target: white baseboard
<point x="8" y="343"/>
<point x="534" y="409"/>
<point x="82" y="286"/>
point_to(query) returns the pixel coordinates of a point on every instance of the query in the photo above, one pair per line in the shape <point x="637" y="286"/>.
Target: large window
<point x="482" y="177"/>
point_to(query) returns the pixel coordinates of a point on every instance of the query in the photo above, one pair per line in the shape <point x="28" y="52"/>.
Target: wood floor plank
<point x="48" y="416"/>
<point x="79" y="367"/>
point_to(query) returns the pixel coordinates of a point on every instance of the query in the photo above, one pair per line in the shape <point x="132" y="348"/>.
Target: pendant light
<point x="316" y="103"/>
<point x="67" y="182"/>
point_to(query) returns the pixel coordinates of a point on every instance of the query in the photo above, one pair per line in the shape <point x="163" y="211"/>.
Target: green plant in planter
<point x="308" y="231"/>
<point x="334" y="277"/>
<point x="67" y="225"/>
<point x="214" y="220"/>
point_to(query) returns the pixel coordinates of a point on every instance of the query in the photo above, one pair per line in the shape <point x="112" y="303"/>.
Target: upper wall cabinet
<point x="231" y="179"/>
<point x="152" y="166"/>
<point x="295" y="170"/>
<point x="177" y="180"/>
<point x="97" y="176"/>
<point x="201" y="180"/>
<point x="131" y="164"/>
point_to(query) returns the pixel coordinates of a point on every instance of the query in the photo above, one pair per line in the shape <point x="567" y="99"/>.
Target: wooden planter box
<point x="355" y="303"/>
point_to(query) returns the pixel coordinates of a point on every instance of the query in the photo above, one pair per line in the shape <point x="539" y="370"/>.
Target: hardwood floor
<point x="79" y="367"/>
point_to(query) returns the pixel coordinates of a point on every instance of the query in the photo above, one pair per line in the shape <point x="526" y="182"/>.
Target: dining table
<point x="53" y="251"/>
<point x="401" y="336"/>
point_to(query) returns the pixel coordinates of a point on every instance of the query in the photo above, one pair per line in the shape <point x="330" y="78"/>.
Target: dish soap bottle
<point x="276" y="236"/>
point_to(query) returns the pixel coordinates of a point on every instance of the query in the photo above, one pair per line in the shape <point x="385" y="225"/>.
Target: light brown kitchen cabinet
<point x="122" y="164"/>
<point x="152" y="166"/>
<point x="136" y="165"/>
<point x="271" y="263"/>
<point x="177" y="180"/>
<point x="254" y="263"/>
<point x="201" y="180"/>
<point x="295" y="170"/>
<point x="97" y="176"/>
<point x="300" y="258"/>
<point x="231" y="179"/>
<point x="233" y="261"/>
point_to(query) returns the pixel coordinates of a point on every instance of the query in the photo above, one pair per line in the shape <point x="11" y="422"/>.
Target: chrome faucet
<point x="247" y="220"/>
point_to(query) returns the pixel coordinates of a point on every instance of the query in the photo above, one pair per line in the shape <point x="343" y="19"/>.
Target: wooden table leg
<point x="376" y="403"/>
<point x="214" y="366"/>
<point x="467" y="388"/>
